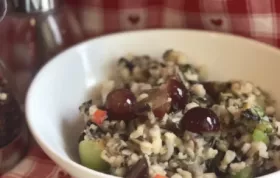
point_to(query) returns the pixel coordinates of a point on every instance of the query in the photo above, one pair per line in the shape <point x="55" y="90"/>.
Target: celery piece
<point x="244" y="173"/>
<point x="260" y="136"/>
<point x="90" y="155"/>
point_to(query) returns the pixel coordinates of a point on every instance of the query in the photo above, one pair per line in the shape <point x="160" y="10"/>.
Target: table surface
<point x="36" y="164"/>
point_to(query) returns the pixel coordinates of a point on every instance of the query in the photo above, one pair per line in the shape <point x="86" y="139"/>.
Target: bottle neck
<point x="3" y="9"/>
<point x="34" y="6"/>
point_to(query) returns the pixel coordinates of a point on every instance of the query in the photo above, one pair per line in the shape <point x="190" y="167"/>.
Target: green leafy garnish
<point x="255" y="113"/>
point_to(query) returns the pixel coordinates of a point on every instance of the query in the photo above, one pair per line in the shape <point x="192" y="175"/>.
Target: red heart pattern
<point x="217" y="22"/>
<point x="134" y="19"/>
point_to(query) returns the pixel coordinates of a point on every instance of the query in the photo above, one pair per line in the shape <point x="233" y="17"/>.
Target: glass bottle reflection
<point x="32" y="34"/>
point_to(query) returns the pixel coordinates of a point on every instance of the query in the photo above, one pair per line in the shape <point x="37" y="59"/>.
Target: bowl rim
<point x="67" y="161"/>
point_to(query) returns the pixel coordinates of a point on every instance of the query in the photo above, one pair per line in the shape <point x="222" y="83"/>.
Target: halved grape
<point x="158" y="99"/>
<point x="90" y="155"/>
<point x="119" y="104"/>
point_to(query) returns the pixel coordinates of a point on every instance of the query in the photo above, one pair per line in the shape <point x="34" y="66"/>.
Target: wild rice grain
<point x="198" y="90"/>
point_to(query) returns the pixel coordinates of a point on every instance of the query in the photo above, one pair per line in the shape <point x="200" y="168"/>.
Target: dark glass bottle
<point x="13" y="130"/>
<point x="31" y="32"/>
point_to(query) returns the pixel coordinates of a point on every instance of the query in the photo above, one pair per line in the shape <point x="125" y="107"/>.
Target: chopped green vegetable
<point x="90" y="155"/>
<point x="265" y="127"/>
<point x="244" y="173"/>
<point x="260" y="136"/>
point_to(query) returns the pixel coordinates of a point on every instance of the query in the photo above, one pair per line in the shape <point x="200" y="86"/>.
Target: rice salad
<point x="162" y="119"/>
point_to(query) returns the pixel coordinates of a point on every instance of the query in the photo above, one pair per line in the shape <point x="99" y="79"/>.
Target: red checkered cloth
<point x="257" y="19"/>
<point x="36" y="165"/>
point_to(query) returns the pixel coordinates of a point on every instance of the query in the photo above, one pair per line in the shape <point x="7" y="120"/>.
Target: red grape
<point x="119" y="104"/>
<point x="178" y="93"/>
<point x="200" y="120"/>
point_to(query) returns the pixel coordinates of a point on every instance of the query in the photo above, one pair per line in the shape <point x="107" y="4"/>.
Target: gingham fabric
<point x="36" y="165"/>
<point x="257" y="19"/>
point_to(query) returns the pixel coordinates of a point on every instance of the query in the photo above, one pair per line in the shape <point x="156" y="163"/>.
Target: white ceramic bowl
<point x="66" y="81"/>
